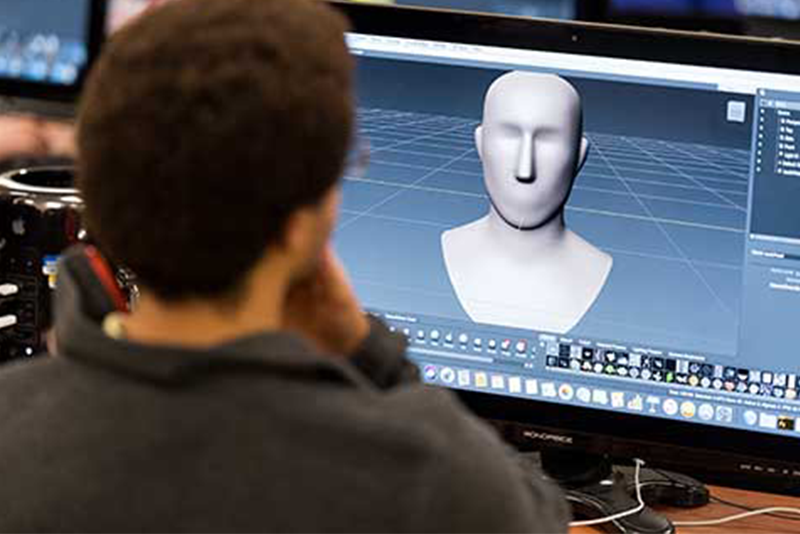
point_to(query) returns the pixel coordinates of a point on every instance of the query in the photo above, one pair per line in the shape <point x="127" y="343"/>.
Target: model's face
<point x="531" y="146"/>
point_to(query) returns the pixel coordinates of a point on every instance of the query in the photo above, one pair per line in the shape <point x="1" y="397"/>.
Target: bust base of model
<point x="544" y="281"/>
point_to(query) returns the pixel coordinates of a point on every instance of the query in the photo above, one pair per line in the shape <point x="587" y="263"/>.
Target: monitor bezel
<point x="53" y="92"/>
<point x="715" y="452"/>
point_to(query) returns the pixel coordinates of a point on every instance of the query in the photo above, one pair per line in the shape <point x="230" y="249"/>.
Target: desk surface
<point x="761" y="523"/>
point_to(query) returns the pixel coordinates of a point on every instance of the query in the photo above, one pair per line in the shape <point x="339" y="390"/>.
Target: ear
<point x="296" y="230"/>
<point x="479" y="140"/>
<point x="310" y="227"/>
<point x="583" y="155"/>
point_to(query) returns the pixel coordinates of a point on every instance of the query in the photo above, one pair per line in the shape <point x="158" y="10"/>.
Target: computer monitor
<point x="660" y="319"/>
<point x="45" y="47"/>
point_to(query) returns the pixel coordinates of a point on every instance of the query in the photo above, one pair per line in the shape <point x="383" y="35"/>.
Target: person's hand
<point x="60" y="138"/>
<point x="32" y="137"/>
<point x="324" y="309"/>
<point x="21" y="136"/>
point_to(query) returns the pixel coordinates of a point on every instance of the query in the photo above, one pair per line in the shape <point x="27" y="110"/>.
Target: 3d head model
<point x="520" y="266"/>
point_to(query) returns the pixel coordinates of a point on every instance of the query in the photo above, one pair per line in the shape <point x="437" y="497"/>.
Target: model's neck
<point x="546" y="239"/>
<point x="202" y="324"/>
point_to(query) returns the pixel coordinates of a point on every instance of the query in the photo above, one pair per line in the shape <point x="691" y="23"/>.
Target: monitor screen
<point x="44" y="41"/>
<point x="613" y="234"/>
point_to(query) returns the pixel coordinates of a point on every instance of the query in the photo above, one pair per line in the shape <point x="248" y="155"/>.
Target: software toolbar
<point x="673" y="404"/>
<point x="601" y="375"/>
<point x="657" y="366"/>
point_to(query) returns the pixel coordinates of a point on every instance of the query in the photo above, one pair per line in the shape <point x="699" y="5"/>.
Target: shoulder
<point x="29" y="387"/>
<point x="443" y="418"/>
<point x="474" y="481"/>
<point x="27" y="373"/>
<point x="464" y="235"/>
<point x="583" y="250"/>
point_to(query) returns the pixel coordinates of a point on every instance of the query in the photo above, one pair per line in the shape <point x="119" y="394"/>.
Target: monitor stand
<point x="596" y="488"/>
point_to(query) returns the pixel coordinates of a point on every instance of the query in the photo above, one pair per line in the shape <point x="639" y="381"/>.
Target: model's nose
<point x="525" y="164"/>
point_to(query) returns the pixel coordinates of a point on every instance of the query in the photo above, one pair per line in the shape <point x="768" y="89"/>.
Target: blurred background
<point x="770" y="18"/>
<point x="52" y="21"/>
<point x="562" y="9"/>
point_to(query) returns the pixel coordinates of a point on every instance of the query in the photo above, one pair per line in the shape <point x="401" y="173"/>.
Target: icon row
<point x="771" y="421"/>
<point x="584" y="359"/>
<point x="531" y="387"/>
<point x="518" y="347"/>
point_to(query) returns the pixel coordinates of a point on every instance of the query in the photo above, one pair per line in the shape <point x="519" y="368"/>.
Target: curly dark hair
<point x="203" y="126"/>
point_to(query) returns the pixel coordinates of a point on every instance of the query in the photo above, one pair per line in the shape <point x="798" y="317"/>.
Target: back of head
<point x="203" y="126"/>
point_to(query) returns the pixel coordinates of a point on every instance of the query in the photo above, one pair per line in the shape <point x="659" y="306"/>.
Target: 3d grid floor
<point x="661" y="203"/>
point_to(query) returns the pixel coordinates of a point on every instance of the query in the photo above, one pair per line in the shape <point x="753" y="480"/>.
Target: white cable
<point x="6" y="290"/>
<point x="706" y="523"/>
<point x="738" y="517"/>
<point x="7" y="321"/>
<point x="620" y="515"/>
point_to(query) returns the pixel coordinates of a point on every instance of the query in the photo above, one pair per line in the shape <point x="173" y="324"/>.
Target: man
<point x="247" y="391"/>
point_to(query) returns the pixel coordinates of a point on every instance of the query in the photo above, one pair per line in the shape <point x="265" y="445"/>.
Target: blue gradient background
<point x="678" y="248"/>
